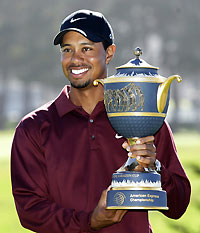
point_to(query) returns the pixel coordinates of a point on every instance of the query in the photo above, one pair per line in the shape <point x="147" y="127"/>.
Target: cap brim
<point x="58" y="38"/>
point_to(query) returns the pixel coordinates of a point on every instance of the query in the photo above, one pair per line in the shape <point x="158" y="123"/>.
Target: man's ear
<point x="110" y="51"/>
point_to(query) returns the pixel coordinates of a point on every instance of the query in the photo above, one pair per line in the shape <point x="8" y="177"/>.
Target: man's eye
<point x="87" y="49"/>
<point x="65" y="50"/>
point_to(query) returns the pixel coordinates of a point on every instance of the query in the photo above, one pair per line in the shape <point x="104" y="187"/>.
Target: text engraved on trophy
<point x="143" y="197"/>
<point x="129" y="98"/>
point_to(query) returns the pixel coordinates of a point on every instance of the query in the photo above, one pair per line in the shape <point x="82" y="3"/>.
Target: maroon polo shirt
<point x="63" y="158"/>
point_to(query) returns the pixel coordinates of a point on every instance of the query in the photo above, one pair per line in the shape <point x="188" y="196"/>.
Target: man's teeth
<point x="79" y="71"/>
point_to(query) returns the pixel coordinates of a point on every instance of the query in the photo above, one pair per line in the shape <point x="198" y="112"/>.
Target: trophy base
<point x="136" y="190"/>
<point x="137" y="199"/>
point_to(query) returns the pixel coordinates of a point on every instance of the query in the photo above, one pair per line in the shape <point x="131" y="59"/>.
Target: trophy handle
<point x="163" y="90"/>
<point x="97" y="81"/>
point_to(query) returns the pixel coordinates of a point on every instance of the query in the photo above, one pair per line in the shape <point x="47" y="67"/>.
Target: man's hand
<point x="101" y="217"/>
<point x="143" y="150"/>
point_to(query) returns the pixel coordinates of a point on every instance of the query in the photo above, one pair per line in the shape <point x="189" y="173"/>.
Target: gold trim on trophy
<point x="154" y="114"/>
<point x="123" y="79"/>
<point x="133" y="188"/>
<point x="136" y="207"/>
<point x="135" y="66"/>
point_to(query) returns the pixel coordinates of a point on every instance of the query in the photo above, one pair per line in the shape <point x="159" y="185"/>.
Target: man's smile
<point x="79" y="71"/>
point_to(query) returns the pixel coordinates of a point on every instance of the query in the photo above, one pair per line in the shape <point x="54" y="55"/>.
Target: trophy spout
<point x="97" y="81"/>
<point x="163" y="90"/>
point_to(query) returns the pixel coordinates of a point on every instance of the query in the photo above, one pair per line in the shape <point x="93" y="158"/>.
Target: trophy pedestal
<point x="136" y="190"/>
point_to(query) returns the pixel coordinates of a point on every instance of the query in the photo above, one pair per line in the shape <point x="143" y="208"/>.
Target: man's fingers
<point x="142" y="147"/>
<point x="119" y="215"/>
<point x="102" y="201"/>
<point x="122" y="213"/>
<point x="145" y="140"/>
<point x="145" y="161"/>
<point x="140" y="142"/>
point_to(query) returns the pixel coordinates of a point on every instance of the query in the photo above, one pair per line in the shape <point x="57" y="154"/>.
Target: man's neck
<point x="87" y="98"/>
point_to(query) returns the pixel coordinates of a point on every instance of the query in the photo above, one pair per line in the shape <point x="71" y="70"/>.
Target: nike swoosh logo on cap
<point x="74" y="20"/>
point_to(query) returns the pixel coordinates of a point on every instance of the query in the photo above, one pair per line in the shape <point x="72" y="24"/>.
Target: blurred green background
<point x="188" y="145"/>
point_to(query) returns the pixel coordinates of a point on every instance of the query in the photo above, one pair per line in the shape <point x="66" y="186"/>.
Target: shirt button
<point x="93" y="137"/>
<point x="91" y="120"/>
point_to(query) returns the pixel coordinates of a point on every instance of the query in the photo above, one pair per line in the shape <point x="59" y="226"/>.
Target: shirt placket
<point x="92" y="133"/>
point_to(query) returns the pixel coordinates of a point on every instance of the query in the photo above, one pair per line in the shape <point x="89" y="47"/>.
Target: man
<point x="65" y="152"/>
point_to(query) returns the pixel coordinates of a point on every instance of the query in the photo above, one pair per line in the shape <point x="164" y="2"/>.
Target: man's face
<point x="82" y="60"/>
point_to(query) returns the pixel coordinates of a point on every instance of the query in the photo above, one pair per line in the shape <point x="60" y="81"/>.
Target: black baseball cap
<point x="93" y="25"/>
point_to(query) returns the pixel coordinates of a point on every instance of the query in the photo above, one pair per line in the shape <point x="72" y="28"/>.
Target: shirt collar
<point x="64" y="104"/>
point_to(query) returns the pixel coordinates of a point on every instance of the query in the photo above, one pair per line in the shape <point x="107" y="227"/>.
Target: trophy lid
<point x="137" y="66"/>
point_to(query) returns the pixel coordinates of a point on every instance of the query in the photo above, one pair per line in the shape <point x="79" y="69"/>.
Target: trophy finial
<point x="138" y="52"/>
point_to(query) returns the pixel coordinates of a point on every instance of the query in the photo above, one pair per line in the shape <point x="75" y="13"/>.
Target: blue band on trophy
<point x="136" y="199"/>
<point x="146" y="71"/>
<point x="134" y="126"/>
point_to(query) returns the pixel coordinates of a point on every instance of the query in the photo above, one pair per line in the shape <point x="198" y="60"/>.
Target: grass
<point x="188" y="145"/>
<point x="9" y="222"/>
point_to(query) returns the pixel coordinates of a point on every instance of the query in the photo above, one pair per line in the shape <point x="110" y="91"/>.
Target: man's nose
<point x="77" y="56"/>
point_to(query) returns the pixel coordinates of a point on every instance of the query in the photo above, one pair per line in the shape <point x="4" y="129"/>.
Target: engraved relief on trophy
<point x="129" y="98"/>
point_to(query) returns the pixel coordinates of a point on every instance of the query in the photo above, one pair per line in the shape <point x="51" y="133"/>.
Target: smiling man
<point x="83" y="61"/>
<point x="64" y="153"/>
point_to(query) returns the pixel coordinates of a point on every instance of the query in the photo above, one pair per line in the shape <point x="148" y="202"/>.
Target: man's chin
<point x="80" y="85"/>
